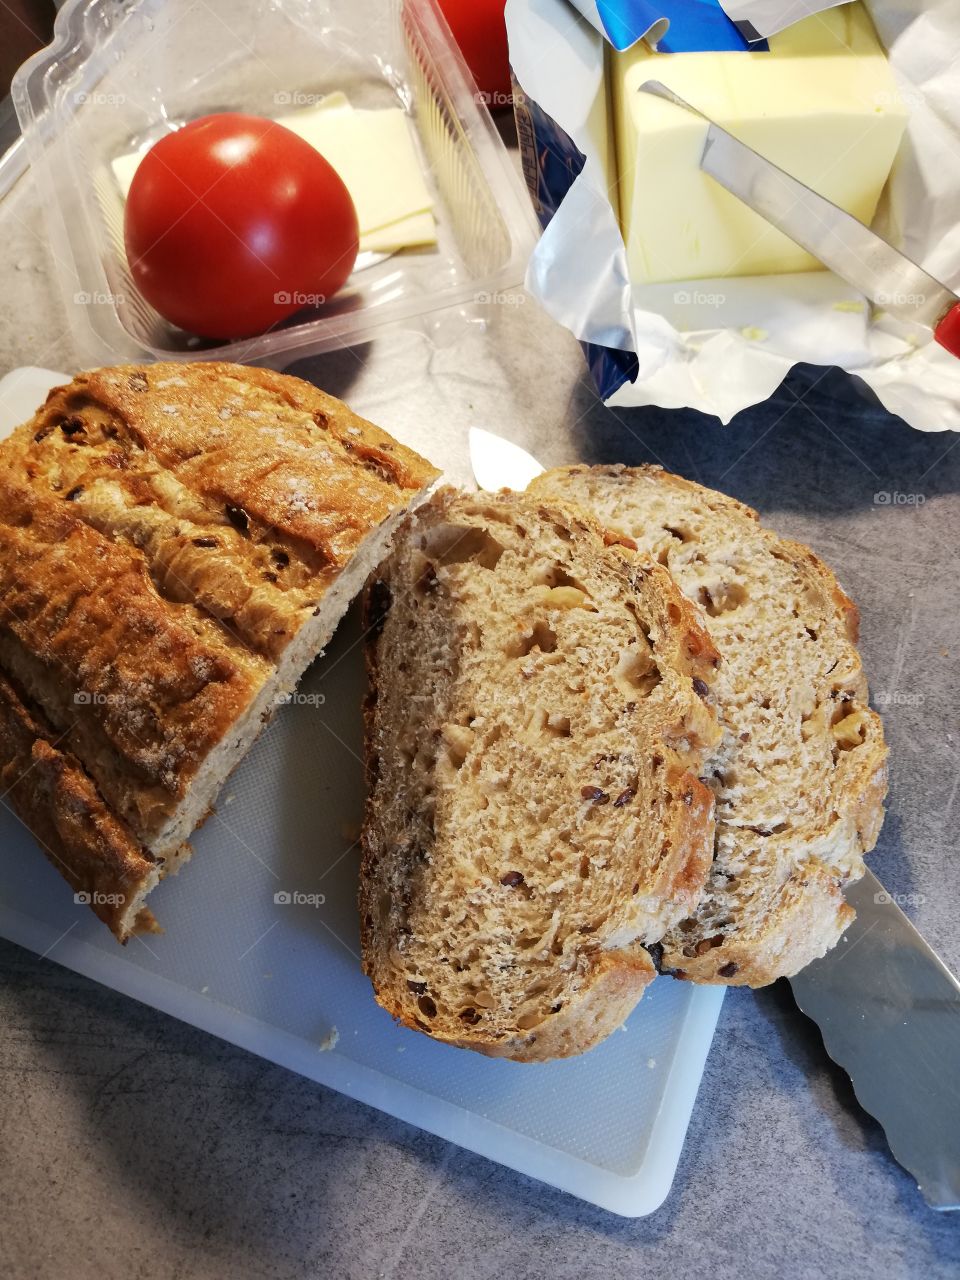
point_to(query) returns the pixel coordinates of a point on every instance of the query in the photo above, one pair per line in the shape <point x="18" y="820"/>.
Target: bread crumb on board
<point x="330" y="1040"/>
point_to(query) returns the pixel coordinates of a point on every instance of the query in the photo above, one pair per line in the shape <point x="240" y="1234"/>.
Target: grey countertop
<point x="134" y="1146"/>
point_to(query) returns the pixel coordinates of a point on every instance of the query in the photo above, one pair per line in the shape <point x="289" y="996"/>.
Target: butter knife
<point x="851" y="250"/>
<point x="887" y="1006"/>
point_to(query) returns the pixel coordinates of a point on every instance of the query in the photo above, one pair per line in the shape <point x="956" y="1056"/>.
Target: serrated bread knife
<point x="887" y="1006"/>
<point x="851" y="250"/>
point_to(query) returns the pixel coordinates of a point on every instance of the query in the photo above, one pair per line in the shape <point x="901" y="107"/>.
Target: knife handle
<point x="947" y="330"/>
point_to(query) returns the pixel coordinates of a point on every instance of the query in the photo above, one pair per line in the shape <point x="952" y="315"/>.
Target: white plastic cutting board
<point x="283" y="979"/>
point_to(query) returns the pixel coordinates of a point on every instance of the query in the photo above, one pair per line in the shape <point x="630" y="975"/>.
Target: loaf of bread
<point x="177" y="543"/>
<point x="536" y="726"/>
<point x="800" y="776"/>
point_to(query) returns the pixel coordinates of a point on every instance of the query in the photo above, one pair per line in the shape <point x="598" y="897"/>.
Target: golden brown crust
<point x="687" y="860"/>
<point x="245" y="491"/>
<point x="141" y="697"/>
<point x="57" y="802"/>
<point x="848" y="610"/>
<point x="166" y="533"/>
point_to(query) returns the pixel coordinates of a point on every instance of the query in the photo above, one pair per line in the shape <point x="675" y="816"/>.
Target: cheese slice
<point x="420" y="229"/>
<point x="124" y="167"/>
<point x="373" y="153"/>
<point x="822" y="104"/>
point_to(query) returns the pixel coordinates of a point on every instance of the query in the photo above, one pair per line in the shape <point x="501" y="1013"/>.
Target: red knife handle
<point x="947" y="330"/>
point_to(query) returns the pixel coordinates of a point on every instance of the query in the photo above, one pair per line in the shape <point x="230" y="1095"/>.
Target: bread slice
<point x="534" y="737"/>
<point x="800" y="776"/>
<point x="177" y="543"/>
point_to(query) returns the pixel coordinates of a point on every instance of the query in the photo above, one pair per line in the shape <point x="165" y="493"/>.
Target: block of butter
<point x="821" y="103"/>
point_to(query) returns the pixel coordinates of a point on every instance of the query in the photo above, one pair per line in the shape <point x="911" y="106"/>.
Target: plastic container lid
<point x="115" y="78"/>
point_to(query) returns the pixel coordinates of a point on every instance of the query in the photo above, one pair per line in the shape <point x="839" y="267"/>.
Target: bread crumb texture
<point x="535" y="732"/>
<point x="800" y="774"/>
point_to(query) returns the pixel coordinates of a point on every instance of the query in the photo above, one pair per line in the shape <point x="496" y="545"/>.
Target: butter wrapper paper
<point x="722" y="345"/>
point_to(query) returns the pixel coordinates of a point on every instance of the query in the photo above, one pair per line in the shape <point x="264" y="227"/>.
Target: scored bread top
<point x="54" y="797"/>
<point x="245" y="491"/>
<point x="800" y="775"/>
<point x="166" y="532"/>
<point x="537" y="726"/>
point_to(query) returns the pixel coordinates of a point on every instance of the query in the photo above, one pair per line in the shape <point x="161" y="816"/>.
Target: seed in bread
<point x="177" y="543"/>
<point x="534" y="739"/>
<point x="801" y="773"/>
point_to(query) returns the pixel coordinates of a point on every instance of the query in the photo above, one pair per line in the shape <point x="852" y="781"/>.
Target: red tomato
<point x="479" y="30"/>
<point x="233" y="222"/>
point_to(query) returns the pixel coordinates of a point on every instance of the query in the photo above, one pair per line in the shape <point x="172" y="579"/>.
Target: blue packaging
<point x="552" y="161"/>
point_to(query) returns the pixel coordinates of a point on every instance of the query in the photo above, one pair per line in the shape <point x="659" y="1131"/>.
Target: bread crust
<point x="800" y="913"/>
<point x="175" y="541"/>
<point x="615" y="984"/>
<point x="805" y="919"/>
<point x="95" y="852"/>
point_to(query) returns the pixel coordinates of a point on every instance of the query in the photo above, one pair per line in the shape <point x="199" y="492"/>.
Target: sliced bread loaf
<point x="800" y="775"/>
<point x="177" y="543"/>
<point x="534" y="737"/>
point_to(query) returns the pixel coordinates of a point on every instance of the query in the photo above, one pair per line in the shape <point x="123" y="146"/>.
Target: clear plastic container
<point x="117" y="76"/>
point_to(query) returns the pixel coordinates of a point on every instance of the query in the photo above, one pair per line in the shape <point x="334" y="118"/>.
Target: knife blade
<point x="888" y="1009"/>
<point x="887" y="1006"/>
<point x="851" y="250"/>
<point x="500" y="464"/>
